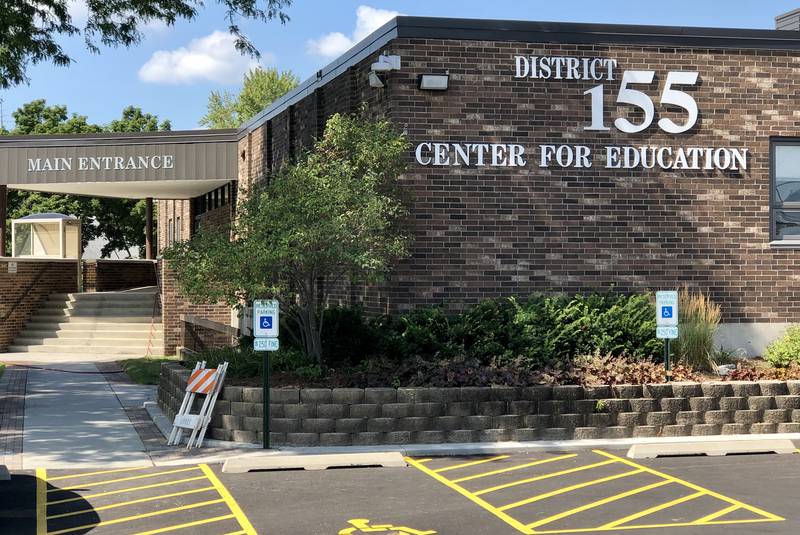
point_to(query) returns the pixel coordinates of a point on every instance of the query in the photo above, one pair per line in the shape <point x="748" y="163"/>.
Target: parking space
<point x="142" y="501"/>
<point x="586" y="492"/>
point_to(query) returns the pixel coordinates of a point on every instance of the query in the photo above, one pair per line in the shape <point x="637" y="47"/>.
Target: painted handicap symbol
<point x="361" y="525"/>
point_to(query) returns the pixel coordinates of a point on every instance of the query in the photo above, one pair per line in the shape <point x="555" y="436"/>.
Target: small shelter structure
<point x="47" y="235"/>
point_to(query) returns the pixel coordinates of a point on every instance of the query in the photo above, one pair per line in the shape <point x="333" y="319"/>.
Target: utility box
<point x="46" y="235"/>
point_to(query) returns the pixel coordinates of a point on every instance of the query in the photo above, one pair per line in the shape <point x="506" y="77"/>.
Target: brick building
<point x="550" y="157"/>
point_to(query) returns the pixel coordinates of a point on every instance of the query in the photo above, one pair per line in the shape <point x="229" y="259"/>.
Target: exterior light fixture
<point x="434" y="82"/>
<point x="375" y="80"/>
<point x="384" y="64"/>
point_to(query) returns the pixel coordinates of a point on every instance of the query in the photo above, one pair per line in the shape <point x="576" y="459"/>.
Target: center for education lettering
<point x="580" y="156"/>
<point x="102" y="163"/>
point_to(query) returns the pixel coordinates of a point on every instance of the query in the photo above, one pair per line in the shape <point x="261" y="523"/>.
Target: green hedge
<point x="539" y="330"/>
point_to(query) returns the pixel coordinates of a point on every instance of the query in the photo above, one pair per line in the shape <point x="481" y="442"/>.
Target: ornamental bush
<point x="495" y="332"/>
<point x="786" y="350"/>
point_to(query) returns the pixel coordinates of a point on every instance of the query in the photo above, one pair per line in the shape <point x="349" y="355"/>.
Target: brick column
<point x="3" y="215"/>
<point x="148" y="229"/>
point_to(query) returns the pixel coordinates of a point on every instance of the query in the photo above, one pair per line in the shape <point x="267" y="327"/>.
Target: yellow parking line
<point x="232" y="505"/>
<point x="516" y="467"/>
<point x="645" y="526"/>
<point x="712" y="516"/>
<point x="186" y="525"/>
<point x="87" y="474"/>
<point x="136" y="517"/>
<point x="237" y="533"/>
<point x="130" y="502"/>
<point x="513" y="522"/>
<point x="110" y="481"/>
<point x="691" y="485"/>
<point x="653" y="509"/>
<point x="129" y="489"/>
<point x="418" y="460"/>
<point x="41" y="501"/>
<point x="471" y="463"/>
<point x="597" y="503"/>
<point x="563" y="490"/>
<point x="544" y="476"/>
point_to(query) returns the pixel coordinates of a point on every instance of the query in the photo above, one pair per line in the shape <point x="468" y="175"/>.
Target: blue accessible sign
<point x="667" y="314"/>
<point x="265" y="318"/>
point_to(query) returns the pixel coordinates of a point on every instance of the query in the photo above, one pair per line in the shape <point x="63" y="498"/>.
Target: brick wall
<point x="489" y="232"/>
<point x="173" y="303"/>
<point x="116" y="275"/>
<point x="23" y="292"/>
<point x="355" y="416"/>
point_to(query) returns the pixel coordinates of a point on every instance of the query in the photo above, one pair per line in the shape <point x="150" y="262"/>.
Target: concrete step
<point x="96" y="326"/>
<point x="97" y="305"/>
<point x="97" y="350"/>
<point x="101" y="296"/>
<point x="140" y="342"/>
<point x="99" y="312"/>
<point x="60" y="318"/>
<point x="112" y="332"/>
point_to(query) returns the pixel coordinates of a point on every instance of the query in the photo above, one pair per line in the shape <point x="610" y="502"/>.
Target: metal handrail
<point x="156" y="307"/>
<point x="27" y="292"/>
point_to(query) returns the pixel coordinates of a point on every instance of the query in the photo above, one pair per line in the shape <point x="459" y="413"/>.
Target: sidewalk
<point x="76" y="418"/>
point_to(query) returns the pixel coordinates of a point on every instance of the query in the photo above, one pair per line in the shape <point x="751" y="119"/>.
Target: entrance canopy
<point x="161" y="165"/>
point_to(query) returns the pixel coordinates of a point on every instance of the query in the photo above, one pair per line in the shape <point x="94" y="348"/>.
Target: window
<point x="178" y="230"/>
<point x="785" y="191"/>
<point x="171" y="233"/>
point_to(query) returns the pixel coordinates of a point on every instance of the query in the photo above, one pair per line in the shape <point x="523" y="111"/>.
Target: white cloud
<point x="211" y="58"/>
<point x="368" y="19"/>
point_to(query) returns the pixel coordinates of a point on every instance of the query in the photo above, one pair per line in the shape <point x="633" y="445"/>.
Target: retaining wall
<point x="104" y="275"/>
<point x="356" y="416"/>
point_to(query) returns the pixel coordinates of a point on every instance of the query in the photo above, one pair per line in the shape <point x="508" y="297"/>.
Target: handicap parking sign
<point x="667" y="309"/>
<point x="265" y="318"/>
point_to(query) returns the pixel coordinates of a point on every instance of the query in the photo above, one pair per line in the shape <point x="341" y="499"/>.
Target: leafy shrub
<point x="698" y="320"/>
<point x="747" y="371"/>
<point x="786" y="350"/>
<point x="244" y="362"/>
<point x="561" y="327"/>
<point x="609" y="370"/>
<point x="347" y="337"/>
<point x="498" y="331"/>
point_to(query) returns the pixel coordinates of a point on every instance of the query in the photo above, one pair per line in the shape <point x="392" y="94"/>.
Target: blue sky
<point x="171" y="73"/>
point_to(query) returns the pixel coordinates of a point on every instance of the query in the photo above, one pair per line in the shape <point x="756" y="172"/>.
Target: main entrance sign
<point x="102" y="163"/>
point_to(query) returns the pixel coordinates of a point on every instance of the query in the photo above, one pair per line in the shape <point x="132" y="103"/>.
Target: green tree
<point x="260" y="87"/>
<point x="30" y="29"/>
<point x="332" y="215"/>
<point x="120" y="221"/>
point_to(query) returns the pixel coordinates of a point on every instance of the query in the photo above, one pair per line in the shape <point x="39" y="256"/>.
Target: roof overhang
<point x="161" y="165"/>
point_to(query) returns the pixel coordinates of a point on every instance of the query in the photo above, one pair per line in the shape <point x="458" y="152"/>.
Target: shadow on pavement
<point x="18" y="507"/>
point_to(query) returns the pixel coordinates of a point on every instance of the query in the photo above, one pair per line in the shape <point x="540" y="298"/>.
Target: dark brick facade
<point x="489" y="231"/>
<point x="483" y="232"/>
<point x="23" y="292"/>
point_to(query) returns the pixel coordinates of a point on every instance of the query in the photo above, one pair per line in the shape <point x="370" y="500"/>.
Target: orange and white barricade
<point x="203" y="381"/>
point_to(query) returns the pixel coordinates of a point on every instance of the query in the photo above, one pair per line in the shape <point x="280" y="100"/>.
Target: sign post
<point x="266" y="321"/>
<point x="667" y="323"/>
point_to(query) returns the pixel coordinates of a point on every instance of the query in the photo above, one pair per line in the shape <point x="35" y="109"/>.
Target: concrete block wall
<point x="356" y="416"/>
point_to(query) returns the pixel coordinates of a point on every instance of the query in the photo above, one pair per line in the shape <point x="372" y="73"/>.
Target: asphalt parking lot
<point x="554" y="492"/>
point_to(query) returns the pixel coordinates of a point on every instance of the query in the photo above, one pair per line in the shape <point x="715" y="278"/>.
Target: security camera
<point x="375" y="80"/>
<point x="386" y="63"/>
